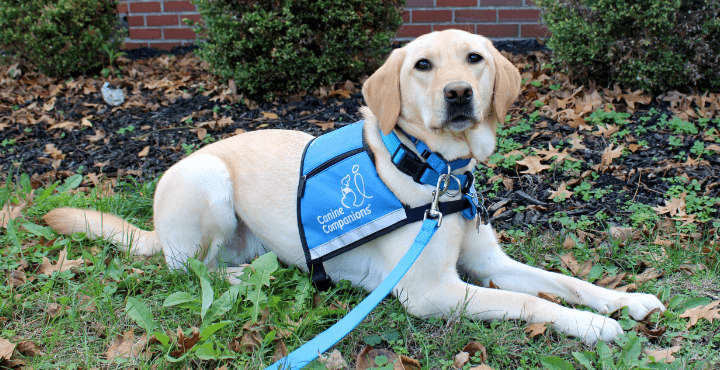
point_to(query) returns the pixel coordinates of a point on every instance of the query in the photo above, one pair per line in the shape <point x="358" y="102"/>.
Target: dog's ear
<point x="507" y="85"/>
<point x="382" y="91"/>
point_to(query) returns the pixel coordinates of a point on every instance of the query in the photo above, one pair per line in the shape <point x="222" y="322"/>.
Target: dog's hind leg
<point x="194" y="213"/>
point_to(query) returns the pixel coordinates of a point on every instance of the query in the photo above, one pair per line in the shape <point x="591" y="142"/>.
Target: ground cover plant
<point x="612" y="185"/>
<point x="655" y="45"/>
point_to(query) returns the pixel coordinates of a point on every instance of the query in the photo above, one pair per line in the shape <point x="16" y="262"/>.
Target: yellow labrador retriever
<point x="236" y="199"/>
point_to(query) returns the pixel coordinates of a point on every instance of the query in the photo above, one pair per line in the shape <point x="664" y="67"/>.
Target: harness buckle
<point x="410" y="164"/>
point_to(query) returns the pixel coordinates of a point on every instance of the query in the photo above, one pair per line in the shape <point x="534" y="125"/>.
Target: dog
<point x="236" y="199"/>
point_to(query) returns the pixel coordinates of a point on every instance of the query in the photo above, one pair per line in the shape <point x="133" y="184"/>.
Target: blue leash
<point x="310" y="350"/>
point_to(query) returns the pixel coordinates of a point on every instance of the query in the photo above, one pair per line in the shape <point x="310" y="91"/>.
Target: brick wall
<point x="492" y="18"/>
<point x="158" y="23"/>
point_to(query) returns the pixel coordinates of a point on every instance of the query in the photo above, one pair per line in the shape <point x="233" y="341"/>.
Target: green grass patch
<point x="81" y="317"/>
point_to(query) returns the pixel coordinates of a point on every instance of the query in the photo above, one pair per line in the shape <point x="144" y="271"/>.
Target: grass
<point x="115" y="294"/>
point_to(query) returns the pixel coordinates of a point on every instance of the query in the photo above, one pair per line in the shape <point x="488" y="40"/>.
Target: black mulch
<point x="175" y="107"/>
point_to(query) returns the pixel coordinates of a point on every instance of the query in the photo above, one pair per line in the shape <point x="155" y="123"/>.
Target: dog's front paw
<point x="639" y="304"/>
<point x="589" y="327"/>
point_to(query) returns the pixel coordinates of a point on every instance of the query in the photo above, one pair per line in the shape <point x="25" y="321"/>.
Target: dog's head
<point x="449" y="89"/>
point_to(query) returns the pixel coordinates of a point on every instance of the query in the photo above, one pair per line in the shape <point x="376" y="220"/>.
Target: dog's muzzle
<point x="459" y="113"/>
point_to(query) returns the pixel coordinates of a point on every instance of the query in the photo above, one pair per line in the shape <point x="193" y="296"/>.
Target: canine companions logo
<point x="350" y="198"/>
<point x="359" y="184"/>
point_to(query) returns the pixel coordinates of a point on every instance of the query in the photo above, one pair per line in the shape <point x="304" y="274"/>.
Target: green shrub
<point x="282" y="46"/>
<point x="654" y="45"/>
<point x="59" y="37"/>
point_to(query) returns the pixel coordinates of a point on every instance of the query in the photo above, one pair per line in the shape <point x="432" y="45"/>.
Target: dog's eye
<point x="474" y="58"/>
<point x="423" y="65"/>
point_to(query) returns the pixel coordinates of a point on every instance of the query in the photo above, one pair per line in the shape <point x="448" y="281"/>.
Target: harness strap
<point x="310" y="350"/>
<point x="424" y="172"/>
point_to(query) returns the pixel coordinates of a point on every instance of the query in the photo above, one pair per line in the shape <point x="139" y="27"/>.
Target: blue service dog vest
<point x="343" y="203"/>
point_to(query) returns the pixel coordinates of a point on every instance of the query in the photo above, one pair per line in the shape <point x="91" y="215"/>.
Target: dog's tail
<point x="103" y="226"/>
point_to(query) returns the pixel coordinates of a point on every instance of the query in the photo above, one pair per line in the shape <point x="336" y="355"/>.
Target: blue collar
<point x="425" y="170"/>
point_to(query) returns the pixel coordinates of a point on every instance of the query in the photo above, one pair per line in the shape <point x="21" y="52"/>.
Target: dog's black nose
<point x="457" y="92"/>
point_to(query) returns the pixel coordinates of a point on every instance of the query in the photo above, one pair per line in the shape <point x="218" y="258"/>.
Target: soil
<point x="53" y="128"/>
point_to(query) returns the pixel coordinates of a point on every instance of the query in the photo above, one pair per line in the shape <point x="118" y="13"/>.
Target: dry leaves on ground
<point x="185" y="343"/>
<point x="472" y="349"/>
<point x="533" y="330"/>
<point x="62" y="264"/>
<point x="370" y="358"/>
<point x="6" y="349"/>
<point x="663" y="355"/>
<point x="707" y="312"/>
<point x="333" y="361"/>
<point x="126" y="346"/>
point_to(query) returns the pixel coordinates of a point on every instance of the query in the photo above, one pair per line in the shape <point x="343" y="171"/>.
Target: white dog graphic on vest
<point x="359" y="186"/>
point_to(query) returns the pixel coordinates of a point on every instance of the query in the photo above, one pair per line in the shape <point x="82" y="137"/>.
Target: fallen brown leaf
<point x="562" y="193"/>
<point x="29" y="348"/>
<point x="622" y="233"/>
<point x="281" y="351"/>
<point x="569" y="243"/>
<point x="333" y="361"/>
<point x="647" y="275"/>
<point x="707" y="312"/>
<point x="62" y="264"/>
<point x="554" y="298"/>
<point x="533" y="165"/>
<point x="650" y="333"/>
<point x="16" y="278"/>
<point x="6" y="348"/>
<point x="475" y="348"/>
<point x="674" y="206"/>
<point x="55" y="309"/>
<point x="366" y="358"/>
<point x="12" y="211"/>
<point x="611" y="282"/>
<point x="125" y="346"/>
<point x="610" y="154"/>
<point x="663" y="355"/>
<point x="461" y="359"/>
<point x="184" y="343"/>
<point x="536" y="329"/>
<point x="145" y="151"/>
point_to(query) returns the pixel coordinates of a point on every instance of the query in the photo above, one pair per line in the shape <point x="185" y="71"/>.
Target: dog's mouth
<point x="459" y="122"/>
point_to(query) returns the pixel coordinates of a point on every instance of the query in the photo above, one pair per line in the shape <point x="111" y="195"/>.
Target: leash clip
<point x="443" y="184"/>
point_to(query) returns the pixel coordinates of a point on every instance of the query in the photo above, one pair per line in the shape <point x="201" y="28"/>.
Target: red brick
<point x="534" y="30"/>
<point x="465" y="27"/>
<point x="431" y="16"/>
<point x="419" y="4"/>
<point x="497" y="30"/>
<point x="145" y="33"/>
<point x="518" y="15"/>
<point x="501" y="2"/>
<point x="122" y="8"/>
<point x="136" y="20"/>
<point x="152" y="7"/>
<point x="457" y="2"/>
<point x="413" y="31"/>
<point x="164" y="45"/>
<point x="162" y="20"/>
<point x="179" y="34"/>
<point x="406" y="16"/>
<point x="466" y="15"/>
<point x="134" y="45"/>
<point x="193" y="17"/>
<point x="179" y="6"/>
